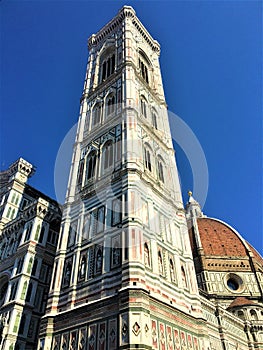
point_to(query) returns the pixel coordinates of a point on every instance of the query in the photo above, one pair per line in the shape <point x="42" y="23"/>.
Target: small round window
<point x="234" y="282"/>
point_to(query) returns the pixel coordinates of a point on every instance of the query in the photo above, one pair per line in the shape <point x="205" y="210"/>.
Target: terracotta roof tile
<point x="219" y="240"/>
<point x="241" y="301"/>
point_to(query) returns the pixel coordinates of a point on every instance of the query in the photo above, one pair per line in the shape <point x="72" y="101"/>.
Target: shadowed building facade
<point x="29" y="226"/>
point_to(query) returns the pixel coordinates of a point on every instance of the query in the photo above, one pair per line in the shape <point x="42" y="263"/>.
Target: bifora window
<point x="107" y="66"/>
<point x="110" y="105"/>
<point x="143" y="106"/>
<point x="91" y="165"/>
<point x="96" y="114"/>
<point x="147" y="158"/>
<point x="107" y="155"/>
<point x="144" y="65"/>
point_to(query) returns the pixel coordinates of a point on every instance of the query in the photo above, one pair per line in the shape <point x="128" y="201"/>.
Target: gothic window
<point x="80" y="172"/>
<point x="72" y="234"/>
<point x="67" y="274"/>
<point x="91" y="165"/>
<point x="160" y="263"/>
<point x="147" y="158"/>
<point x="144" y="67"/>
<point x="118" y="149"/>
<point x="110" y="105"/>
<point x="146" y="255"/>
<point x="86" y="227"/>
<point x="154" y="119"/>
<point x="37" y="232"/>
<point x="119" y="97"/>
<point x="160" y="170"/>
<point x="116" y="211"/>
<point x="172" y="274"/>
<point x="96" y="114"/>
<point x="143" y="106"/>
<point x="13" y="291"/>
<point x="253" y="315"/>
<point x="82" y="267"/>
<point x="28" y="232"/>
<point x="184" y="281"/>
<point x="29" y="292"/>
<point x="115" y="251"/>
<point x="23" y="294"/>
<point x="20" y="265"/>
<point x="107" y="65"/>
<point x="100" y="219"/>
<point x="17" y="319"/>
<point x="13" y="214"/>
<point x="107" y="155"/>
<point x="98" y="261"/>
<point x="29" y="266"/>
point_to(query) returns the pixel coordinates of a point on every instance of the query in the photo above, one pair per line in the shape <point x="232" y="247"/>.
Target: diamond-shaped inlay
<point x="102" y="336"/>
<point x="146" y="328"/>
<point x="92" y="340"/>
<point x="124" y="329"/>
<point x="136" y="328"/>
<point x="112" y="335"/>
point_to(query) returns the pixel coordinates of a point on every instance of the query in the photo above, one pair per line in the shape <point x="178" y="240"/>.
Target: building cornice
<point x="125" y="12"/>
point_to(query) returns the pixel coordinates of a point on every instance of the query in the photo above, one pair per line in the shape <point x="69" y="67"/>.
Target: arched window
<point x="107" y="155"/>
<point x="67" y="274"/>
<point x="154" y="119"/>
<point x="20" y="265"/>
<point x="160" y="263"/>
<point x="29" y="292"/>
<point x="37" y="232"/>
<point x="107" y="65"/>
<point x="72" y="234"/>
<point x="253" y="315"/>
<point x="80" y="172"/>
<point x="116" y="255"/>
<point x="143" y="107"/>
<point x="144" y="65"/>
<point x="23" y="294"/>
<point x="82" y="267"/>
<point x="241" y="314"/>
<point x="147" y="158"/>
<point x="110" y="105"/>
<point x="146" y="255"/>
<point x="172" y="274"/>
<point x="96" y="114"/>
<point x="28" y="232"/>
<point x="13" y="291"/>
<point x="29" y="266"/>
<point x="98" y="261"/>
<point x="91" y="165"/>
<point x="160" y="170"/>
<point x="184" y="280"/>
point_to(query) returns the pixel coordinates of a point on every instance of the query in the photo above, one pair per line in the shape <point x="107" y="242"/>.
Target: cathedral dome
<point x="219" y="239"/>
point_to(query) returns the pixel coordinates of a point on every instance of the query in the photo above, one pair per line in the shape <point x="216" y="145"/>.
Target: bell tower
<point x="123" y="274"/>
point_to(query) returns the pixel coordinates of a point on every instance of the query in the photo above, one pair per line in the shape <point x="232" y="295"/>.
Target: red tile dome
<point x="219" y="239"/>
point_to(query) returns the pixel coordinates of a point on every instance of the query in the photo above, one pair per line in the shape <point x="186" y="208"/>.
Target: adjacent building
<point x="29" y="226"/>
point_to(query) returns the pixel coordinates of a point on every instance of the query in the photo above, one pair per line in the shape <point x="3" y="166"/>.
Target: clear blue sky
<point x="211" y="56"/>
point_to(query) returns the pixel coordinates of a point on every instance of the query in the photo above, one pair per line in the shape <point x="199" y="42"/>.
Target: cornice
<point x="125" y="12"/>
